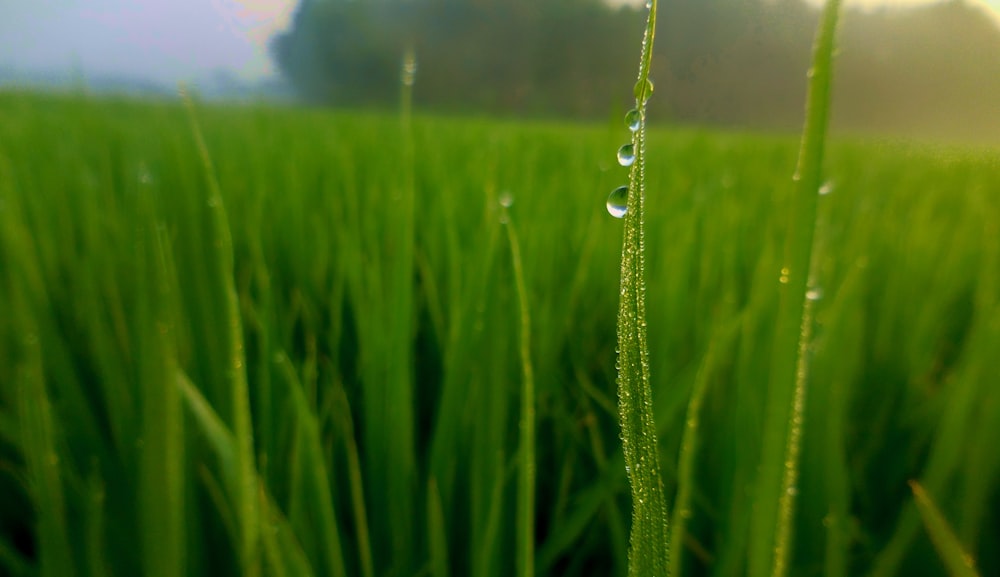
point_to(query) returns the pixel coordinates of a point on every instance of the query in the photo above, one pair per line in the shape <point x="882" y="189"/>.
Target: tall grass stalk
<point x="648" y="550"/>
<point x="777" y="484"/>
<point x="526" y="450"/>
<point x="162" y="491"/>
<point x="221" y="289"/>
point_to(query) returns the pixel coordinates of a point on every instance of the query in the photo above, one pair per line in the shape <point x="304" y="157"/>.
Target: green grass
<point x="649" y="553"/>
<point x="179" y="400"/>
<point x="777" y="483"/>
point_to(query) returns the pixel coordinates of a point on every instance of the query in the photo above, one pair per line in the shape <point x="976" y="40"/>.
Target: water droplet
<point x="814" y="294"/>
<point x="793" y="491"/>
<point x="649" y="4"/>
<point x="626" y="154"/>
<point x="826" y="189"/>
<point x="810" y="73"/>
<point x="783" y="279"/>
<point x="796" y="177"/>
<point x="632" y="119"/>
<point x="618" y="202"/>
<point x="506" y="199"/>
<point x="640" y="96"/>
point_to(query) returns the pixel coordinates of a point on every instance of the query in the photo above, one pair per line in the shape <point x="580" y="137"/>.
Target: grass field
<point x="298" y="352"/>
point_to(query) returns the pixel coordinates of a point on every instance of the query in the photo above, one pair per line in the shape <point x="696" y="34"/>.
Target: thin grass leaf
<point x="316" y="484"/>
<point x="949" y="548"/>
<point x="587" y="505"/>
<point x="162" y="469"/>
<point x="223" y="292"/>
<point x="281" y="549"/>
<point x="346" y="422"/>
<point x="691" y="444"/>
<point x="437" y="537"/>
<point x="648" y="550"/>
<point x="96" y="518"/>
<point x="526" y="451"/>
<point x="777" y="481"/>
<point x="38" y="434"/>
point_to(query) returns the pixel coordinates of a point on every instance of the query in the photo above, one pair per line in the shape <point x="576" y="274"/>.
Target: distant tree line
<point x="932" y="70"/>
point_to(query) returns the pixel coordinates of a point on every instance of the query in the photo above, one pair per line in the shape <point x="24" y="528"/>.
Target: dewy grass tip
<point x="648" y="552"/>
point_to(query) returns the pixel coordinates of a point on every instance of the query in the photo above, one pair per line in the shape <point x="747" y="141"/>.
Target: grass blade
<point x="346" y="424"/>
<point x="436" y="531"/>
<point x="162" y="469"/>
<point x="949" y="548"/>
<point x="526" y="452"/>
<point x="690" y="444"/>
<point x="316" y="484"/>
<point x="770" y="551"/>
<point x="223" y="291"/>
<point x="38" y="430"/>
<point x="648" y="552"/>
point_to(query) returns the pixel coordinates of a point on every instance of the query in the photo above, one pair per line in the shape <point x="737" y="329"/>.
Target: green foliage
<point x="120" y="390"/>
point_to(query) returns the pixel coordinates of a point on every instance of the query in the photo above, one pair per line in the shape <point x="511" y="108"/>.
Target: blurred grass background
<point x="250" y="366"/>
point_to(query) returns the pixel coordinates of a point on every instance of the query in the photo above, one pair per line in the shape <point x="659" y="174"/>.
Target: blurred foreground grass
<point x="192" y="385"/>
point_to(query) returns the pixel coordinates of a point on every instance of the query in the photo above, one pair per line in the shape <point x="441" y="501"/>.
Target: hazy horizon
<point x="170" y="42"/>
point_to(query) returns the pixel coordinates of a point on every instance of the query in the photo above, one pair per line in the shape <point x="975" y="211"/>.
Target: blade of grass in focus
<point x="648" y="549"/>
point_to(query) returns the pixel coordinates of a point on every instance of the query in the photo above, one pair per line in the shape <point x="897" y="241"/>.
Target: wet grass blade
<point x="648" y="549"/>
<point x="771" y="527"/>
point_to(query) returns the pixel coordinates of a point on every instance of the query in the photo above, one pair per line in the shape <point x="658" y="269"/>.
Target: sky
<point x="162" y="40"/>
<point x="166" y="41"/>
